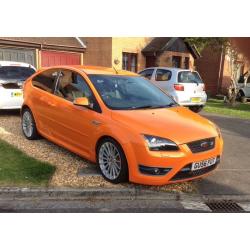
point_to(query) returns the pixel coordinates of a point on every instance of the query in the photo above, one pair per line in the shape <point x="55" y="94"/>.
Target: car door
<point x="192" y="82"/>
<point x="162" y="79"/>
<point x="42" y="97"/>
<point x="74" y="125"/>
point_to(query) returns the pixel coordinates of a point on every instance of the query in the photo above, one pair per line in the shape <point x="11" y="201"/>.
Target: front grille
<point x="11" y="86"/>
<point x="186" y="172"/>
<point x="224" y="206"/>
<point x="202" y="145"/>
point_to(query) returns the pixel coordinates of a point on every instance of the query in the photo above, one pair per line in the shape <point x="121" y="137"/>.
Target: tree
<point x="227" y="48"/>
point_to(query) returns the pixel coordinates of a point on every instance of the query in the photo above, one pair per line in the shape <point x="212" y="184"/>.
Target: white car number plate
<point x="203" y="164"/>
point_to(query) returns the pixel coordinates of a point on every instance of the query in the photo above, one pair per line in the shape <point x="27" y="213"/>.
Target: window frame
<point x="145" y="71"/>
<point x="129" y="61"/>
<point x="179" y="61"/>
<point x="163" y="80"/>
<point x="54" y="83"/>
<point x="96" y="109"/>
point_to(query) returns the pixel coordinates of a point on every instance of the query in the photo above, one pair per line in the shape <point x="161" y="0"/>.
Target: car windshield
<point x="129" y="92"/>
<point x="189" y="77"/>
<point x="15" y="72"/>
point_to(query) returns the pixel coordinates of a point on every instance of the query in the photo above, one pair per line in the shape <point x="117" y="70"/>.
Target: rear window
<point x="15" y="72"/>
<point x="189" y="77"/>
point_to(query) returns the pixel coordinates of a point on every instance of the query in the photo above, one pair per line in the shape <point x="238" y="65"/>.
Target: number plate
<point x="195" y="99"/>
<point x="16" y="94"/>
<point x="203" y="164"/>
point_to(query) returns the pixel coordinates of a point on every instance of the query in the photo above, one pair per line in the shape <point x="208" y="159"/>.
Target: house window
<point x="186" y="62"/>
<point x="176" y="61"/>
<point x="129" y="61"/>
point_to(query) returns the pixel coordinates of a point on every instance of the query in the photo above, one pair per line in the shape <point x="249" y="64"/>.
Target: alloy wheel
<point x="110" y="160"/>
<point x="27" y="124"/>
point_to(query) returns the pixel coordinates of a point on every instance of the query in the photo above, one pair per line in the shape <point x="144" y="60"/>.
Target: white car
<point x="244" y="89"/>
<point x="184" y="86"/>
<point x="12" y="77"/>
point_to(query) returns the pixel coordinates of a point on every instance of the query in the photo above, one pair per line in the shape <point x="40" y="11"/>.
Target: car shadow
<point x="211" y="187"/>
<point x="10" y="112"/>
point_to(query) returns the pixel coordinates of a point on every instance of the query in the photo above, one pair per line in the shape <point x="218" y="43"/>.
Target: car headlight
<point x="160" y="144"/>
<point x="218" y="131"/>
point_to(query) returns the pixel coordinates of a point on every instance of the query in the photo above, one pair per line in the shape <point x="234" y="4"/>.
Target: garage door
<point x="52" y="58"/>
<point x="18" y="55"/>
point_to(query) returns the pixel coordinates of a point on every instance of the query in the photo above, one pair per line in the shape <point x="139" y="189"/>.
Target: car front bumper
<point x="175" y="161"/>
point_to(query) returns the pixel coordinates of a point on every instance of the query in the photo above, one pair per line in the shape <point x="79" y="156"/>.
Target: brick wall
<point x="165" y="59"/>
<point x="208" y="67"/>
<point x="130" y="45"/>
<point x="98" y="52"/>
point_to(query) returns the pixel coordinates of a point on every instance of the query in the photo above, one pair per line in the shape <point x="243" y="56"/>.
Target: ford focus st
<point x="127" y="125"/>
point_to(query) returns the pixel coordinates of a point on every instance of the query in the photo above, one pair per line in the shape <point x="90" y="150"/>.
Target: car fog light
<point x="153" y="170"/>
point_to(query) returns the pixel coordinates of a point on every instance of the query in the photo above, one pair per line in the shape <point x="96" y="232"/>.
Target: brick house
<point x="214" y="66"/>
<point x="129" y="53"/>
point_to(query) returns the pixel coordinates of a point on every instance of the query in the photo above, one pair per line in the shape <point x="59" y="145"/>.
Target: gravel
<point x="67" y="164"/>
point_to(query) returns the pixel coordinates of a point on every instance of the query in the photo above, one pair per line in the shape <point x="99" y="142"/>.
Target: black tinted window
<point x="15" y="72"/>
<point x="163" y="75"/>
<point x="147" y="73"/>
<point x="45" y="80"/>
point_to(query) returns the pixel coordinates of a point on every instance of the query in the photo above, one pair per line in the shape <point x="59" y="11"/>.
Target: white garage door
<point x="18" y="55"/>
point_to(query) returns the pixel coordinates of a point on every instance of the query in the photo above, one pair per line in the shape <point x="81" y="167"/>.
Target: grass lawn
<point x="241" y="110"/>
<point x="18" y="169"/>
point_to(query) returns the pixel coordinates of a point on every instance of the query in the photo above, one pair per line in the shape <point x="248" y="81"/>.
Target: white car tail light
<point x="179" y="87"/>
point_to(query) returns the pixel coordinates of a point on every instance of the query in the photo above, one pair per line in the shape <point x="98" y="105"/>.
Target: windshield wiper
<point x="143" y="107"/>
<point x="154" y="106"/>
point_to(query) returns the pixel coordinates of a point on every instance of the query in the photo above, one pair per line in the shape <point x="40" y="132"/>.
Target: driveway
<point x="231" y="178"/>
<point x="71" y="170"/>
<point x="233" y="174"/>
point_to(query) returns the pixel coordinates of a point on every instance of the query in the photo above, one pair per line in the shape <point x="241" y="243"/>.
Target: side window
<point x="71" y="85"/>
<point x="46" y="80"/>
<point x="147" y="73"/>
<point x="163" y="75"/>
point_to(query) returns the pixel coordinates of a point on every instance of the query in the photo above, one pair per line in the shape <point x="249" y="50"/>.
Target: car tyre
<point x="112" y="161"/>
<point x="196" y="109"/>
<point x="29" y="125"/>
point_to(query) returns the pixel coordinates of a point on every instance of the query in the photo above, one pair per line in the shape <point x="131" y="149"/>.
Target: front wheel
<point x="29" y="125"/>
<point x="112" y="161"/>
<point x="196" y="109"/>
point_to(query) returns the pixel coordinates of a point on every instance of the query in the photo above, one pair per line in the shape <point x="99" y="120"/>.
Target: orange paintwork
<point x="60" y="121"/>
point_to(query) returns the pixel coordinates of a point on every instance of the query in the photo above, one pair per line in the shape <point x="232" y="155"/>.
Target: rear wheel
<point x="112" y="161"/>
<point x="29" y="125"/>
<point x="196" y="109"/>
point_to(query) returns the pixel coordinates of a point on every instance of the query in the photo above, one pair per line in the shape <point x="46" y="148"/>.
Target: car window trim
<point x="165" y="70"/>
<point x="97" y="109"/>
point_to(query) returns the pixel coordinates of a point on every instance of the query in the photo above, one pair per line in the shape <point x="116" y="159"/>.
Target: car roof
<point x="168" y="68"/>
<point x="95" y="70"/>
<point x="13" y="63"/>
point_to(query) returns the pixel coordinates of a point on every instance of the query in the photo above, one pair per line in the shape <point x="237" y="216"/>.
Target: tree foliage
<point x="216" y="43"/>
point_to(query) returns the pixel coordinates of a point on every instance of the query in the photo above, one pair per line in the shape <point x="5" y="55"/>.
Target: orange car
<point x="121" y="121"/>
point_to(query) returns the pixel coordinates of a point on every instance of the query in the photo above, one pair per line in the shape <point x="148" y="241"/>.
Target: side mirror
<point x="81" y="101"/>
